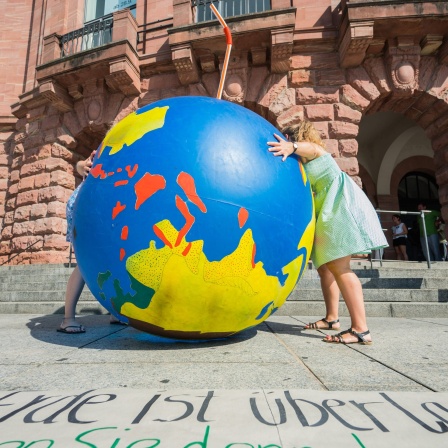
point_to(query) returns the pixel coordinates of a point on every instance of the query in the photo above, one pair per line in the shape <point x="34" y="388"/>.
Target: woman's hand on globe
<point x="83" y="167"/>
<point x="88" y="163"/>
<point x="281" y="148"/>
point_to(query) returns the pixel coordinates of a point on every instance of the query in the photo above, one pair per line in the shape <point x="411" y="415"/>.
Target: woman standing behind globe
<point x="75" y="283"/>
<point x="346" y="223"/>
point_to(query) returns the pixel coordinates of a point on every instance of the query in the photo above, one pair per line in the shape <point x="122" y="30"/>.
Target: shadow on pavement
<point x="291" y="329"/>
<point x="101" y="334"/>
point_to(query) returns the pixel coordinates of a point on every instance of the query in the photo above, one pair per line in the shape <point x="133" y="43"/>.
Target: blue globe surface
<point x="187" y="225"/>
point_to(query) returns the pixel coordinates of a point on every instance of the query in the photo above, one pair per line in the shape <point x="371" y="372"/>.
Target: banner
<point x="120" y="418"/>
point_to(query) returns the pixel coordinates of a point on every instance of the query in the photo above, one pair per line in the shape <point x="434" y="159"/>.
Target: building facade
<point x="371" y="75"/>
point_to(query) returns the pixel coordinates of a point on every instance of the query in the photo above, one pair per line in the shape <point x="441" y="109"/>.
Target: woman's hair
<point x="397" y="216"/>
<point x="304" y="132"/>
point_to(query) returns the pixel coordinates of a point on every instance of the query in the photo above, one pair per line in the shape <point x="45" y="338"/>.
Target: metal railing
<point x="91" y="35"/>
<point x="228" y="8"/>
<point x="403" y="212"/>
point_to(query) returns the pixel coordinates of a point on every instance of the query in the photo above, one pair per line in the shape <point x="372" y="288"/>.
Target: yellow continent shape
<point x="193" y="294"/>
<point x="132" y="128"/>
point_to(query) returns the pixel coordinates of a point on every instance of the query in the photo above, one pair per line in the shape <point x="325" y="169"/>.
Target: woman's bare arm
<point x="306" y="150"/>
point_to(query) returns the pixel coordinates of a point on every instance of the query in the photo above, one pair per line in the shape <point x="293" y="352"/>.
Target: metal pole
<point x="428" y="258"/>
<point x="225" y="64"/>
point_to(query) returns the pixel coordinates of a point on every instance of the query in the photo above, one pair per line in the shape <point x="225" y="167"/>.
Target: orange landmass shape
<point x="186" y="182"/>
<point x="243" y="215"/>
<point x="147" y="186"/>
<point x="117" y="209"/>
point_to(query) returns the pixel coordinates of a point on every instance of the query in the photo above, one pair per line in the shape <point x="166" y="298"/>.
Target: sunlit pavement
<point x="273" y="386"/>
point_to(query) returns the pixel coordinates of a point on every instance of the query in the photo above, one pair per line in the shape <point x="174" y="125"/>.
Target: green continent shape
<point x="141" y="298"/>
<point x="102" y="278"/>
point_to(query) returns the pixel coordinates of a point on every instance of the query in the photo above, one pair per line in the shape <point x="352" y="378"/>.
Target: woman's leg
<point x="397" y="252"/>
<point x="74" y="289"/>
<point x="330" y="291"/>
<point x="404" y="254"/>
<point x="351" y="290"/>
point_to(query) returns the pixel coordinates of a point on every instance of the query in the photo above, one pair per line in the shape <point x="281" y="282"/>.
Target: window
<point x="416" y="187"/>
<point x="228" y="8"/>
<point x="95" y="9"/>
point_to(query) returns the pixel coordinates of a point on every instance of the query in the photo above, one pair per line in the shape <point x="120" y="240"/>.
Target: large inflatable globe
<point x="187" y="225"/>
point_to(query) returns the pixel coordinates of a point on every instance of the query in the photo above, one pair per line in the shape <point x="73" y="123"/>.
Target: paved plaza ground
<point x="273" y="386"/>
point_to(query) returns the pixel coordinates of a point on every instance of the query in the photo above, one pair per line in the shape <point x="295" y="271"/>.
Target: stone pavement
<point x="272" y="386"/>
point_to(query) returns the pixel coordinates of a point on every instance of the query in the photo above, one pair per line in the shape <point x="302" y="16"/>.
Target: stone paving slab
<point x="39" y="332"/>
<point x="139" y="376"/>
<point x="341" y="367"/>
<point x="416" y="348"/>
<point x="114" y="354"/>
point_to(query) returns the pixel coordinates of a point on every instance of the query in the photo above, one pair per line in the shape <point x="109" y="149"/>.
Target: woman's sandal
<point x="72" y="329"/>
<point x="338" y="339"/>
<point x="313" y="325"/>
